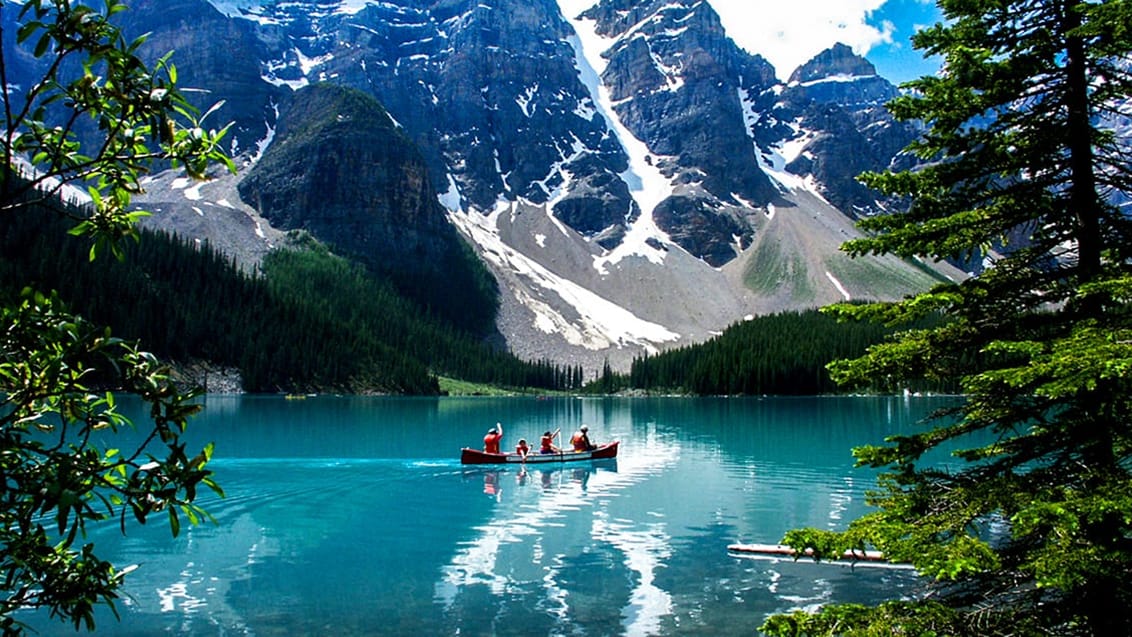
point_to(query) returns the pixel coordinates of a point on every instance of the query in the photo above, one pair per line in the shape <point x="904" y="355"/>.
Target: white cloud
<point x="789" y="33"/>
<point x="571" y="8"/>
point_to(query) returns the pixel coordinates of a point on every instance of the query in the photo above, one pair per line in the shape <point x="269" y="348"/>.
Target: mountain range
<point x="631" y="178"/>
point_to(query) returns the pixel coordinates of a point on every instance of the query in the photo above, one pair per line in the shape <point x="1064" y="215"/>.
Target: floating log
<point x="786" y="551"/>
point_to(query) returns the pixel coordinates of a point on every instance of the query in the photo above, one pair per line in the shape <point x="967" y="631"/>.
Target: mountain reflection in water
<point x="353" y="516"/>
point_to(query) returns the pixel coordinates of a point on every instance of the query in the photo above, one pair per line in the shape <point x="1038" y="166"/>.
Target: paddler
<point x="493" y="438"/>
<point x="548" y="442"/>
<point x="581" y="439"/>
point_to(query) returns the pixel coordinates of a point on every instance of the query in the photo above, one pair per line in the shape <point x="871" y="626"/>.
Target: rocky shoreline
<point x="211" y="379"/>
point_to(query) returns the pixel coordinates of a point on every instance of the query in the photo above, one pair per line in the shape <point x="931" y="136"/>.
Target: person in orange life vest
<point x="581" y="440"/>
<point x="548" y="442"/>
<point x="522" y="449"/>
<point x="493" y="438"/>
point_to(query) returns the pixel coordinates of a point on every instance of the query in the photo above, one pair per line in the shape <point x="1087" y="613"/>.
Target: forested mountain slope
<point x="311" y="321"/>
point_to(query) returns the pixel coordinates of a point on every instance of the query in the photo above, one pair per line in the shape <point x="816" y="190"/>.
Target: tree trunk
<point x="1079" y="135"/>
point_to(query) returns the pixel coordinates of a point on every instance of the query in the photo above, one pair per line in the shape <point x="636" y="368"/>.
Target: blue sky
<point x="790" y="32"/>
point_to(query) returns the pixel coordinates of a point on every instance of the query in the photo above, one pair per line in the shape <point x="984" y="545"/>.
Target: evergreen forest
<point x="779" y="354"/>
<point x="309" y="321"/>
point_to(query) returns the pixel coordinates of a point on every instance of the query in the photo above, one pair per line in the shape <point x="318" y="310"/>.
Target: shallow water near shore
<point x="353" y="516"/>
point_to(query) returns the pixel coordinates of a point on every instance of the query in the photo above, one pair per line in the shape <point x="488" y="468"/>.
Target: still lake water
<point x="353" y="516"/>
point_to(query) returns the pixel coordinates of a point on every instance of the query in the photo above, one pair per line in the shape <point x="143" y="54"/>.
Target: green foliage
<point x="924" y="619"/>
<point x="771" y="270"/>
<point x="459" y="289"/>
<point x="1029" y="533"/>
<point x="332" y="327"/>
<point x="455" y="387"/>
<point x="374" y="315"/>
<point x="784" y="354"/>
<point x="140" y="116"/>
<point x="59" y="373"/>
<point x="345" y="314"/>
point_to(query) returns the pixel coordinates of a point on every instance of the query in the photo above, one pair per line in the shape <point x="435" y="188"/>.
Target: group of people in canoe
<point x="580" y="441"/>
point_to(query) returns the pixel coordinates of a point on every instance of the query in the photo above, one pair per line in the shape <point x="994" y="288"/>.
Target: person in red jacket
<point x="548" y="442"/>
<point x="522" y="449"/>
<point x="493" y="438"/>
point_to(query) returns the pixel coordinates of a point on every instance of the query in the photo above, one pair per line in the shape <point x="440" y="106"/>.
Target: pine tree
<point x="1032" y="532"/>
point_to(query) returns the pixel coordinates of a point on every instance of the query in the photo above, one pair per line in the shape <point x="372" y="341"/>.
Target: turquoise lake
<point x="353" y="516"/>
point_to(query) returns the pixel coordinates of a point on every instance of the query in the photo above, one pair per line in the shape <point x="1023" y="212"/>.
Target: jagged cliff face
<point x="489" y="92"/>
<point x="835" y="104"/>
<point x="218" y="63"/>
<point x="675" y="81"/>
<point x="341" y="169"/>
<point x="633" y="179"/>
<point x="514" y="101"/>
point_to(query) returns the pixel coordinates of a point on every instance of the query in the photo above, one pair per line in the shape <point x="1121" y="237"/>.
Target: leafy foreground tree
<point x="1030" y="531"/>
<point x="59" y="374"/>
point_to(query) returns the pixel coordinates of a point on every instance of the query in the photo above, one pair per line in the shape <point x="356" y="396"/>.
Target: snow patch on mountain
<point x="235" y="8"/>
<point x="451" y="199"/>
<point x="838" y="78"/>
<point x="248" y="8"/>
<point x="773" y="161"/>
<point x="190" y="187"/>
<point x="837" y="284"/>
<point x="774" y="166"/>
<point x="600" y="323"/>
<point x="262" y="144"/>
<point x="51" y="186"/>
<point x="560" y="171"/>
<point x="647" y="185"/>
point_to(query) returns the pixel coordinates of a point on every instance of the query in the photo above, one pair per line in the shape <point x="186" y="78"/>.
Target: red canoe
<point x="475" y="456"/>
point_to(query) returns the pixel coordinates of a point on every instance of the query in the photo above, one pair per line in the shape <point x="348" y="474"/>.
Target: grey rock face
<point x="217" y="60"/>
<point x="492" y="106"/>
<point x="675" y="79"/>
<point x="839" y="59"/>
<point x="490" y="93"/>
<point x="838" y="99"/>
<point x="708" y="233"/>
<point x="340" y="169"/>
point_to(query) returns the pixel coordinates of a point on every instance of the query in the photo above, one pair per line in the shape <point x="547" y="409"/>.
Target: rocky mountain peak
<point x="838" y="60"/>
<point x="616" y="17"/>
<point x="489" y="91"/>
<point x="677" y="84"/>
